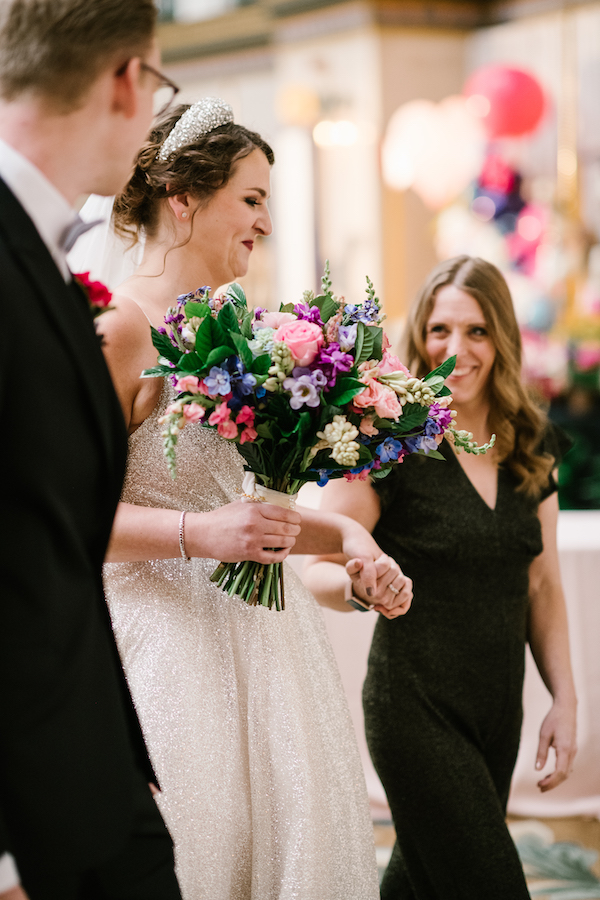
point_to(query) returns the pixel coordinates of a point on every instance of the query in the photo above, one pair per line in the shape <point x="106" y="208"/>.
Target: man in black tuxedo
<point x="77" y="820"/>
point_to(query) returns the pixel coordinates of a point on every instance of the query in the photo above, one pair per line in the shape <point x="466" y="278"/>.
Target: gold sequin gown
<point x="242" y="707"/>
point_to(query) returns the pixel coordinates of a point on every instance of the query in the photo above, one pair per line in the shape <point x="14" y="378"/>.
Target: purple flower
<point x="331" y="361"/>
<point x="316" y="376"/>
<point x="367" y="313"/>
<point x="218" y="381"/>
<point x="442" y="416"/>
<point x="389" y="450"/>
<point x="258" y="312"/>
<point x="303" y="391"/>
<point x="310" y="313"/>
<point x="347" y="336"/>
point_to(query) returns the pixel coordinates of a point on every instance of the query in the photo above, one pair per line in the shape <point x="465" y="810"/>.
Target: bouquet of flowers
<point x="309" y="393"/>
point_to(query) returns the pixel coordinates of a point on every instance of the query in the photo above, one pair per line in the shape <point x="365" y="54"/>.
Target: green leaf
<point x="244" y="351"/>
<point x="365" y="343"/>
<point x="260" y="365"/>
<point x="246" y="326"/>
<point x="217" y="356"/>
<point x="444" y="392"/>
<point x="193" y="308"/>
<point x="264" y="431"/>
<point x="446" y="368"/>
<point x="435" y="382"/>
<point x="227" y="318"/>
<point x="164" y="346"/>
<point x="190" y="362"/>
<point x="304" y="427"/>
<point x="434" y="454"/>
<point x="235" y="293"/>
<point x="412" y="416"/>
<point x="329" y="307"/>
<point x="209" y="335"/>
<point x="280" y="410"/>
<point x="157" y="372"/>
<point x="286" y="307"/>
<point x="377" y="333"/>
<point x="345" y="390"/>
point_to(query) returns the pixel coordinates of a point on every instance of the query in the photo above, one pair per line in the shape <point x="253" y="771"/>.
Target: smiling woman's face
<point x="457" y="326"/>
<point x="225" y="229"/>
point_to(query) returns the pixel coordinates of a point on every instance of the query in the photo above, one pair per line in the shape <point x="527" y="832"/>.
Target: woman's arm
<point x="549" y="642"/>
<point x="330" y="575"/>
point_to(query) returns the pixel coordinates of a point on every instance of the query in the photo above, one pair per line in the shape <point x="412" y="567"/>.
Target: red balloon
<point x="516" y="100"/>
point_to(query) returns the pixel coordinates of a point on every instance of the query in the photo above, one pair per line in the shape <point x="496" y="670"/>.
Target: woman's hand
<point x="557" y="731"/>
<point x="241" y="531"/>
<point x="392" y="596"/>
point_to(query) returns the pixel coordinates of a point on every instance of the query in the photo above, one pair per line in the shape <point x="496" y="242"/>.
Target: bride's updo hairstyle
<point x="201" y="167"/>
<point x="516" y="419"/>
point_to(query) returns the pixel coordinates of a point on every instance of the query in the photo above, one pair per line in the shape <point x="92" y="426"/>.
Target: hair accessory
<point x="201" y="118"/>
<point x="182" y="537"/>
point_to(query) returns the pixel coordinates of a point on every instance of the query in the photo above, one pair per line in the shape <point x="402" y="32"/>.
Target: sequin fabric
<point x="199" y="119"/>
<point x="242" y="707"/>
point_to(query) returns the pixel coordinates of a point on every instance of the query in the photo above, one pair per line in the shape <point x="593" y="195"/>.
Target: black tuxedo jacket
<point x="70" y="744"/>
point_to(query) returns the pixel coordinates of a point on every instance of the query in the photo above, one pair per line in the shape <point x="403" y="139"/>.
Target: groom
<point x="77" y="820"/>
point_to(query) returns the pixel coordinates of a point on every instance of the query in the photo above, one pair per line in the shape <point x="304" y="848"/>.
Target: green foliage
<point x="413" y="415"/>
<point x="235" y="293"/>
<point x="210" y="335"/>
<point x="164" y="346"/>
<point x="365" y="344"/>
<point x="227" y="319"/>
<point x="193" y="308"/>
<point x="246" y="326"/>
<point x="156" y="372"/>
<point x="446" y="368"/>
<point x="217" y="356"/>
<point x="243" y="350"/>
<point x="260" y="365"/>
<point x="345" y="389"/>
<point x="286" y="307"/>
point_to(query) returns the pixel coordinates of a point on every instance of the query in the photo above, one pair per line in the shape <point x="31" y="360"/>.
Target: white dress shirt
<point x="49" y="211"/>
<point x="51" y="214"/>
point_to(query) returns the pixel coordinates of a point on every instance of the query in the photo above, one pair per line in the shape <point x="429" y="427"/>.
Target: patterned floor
<point x="561" y="856"/>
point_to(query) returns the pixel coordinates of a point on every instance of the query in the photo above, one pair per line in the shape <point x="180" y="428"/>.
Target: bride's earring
<point x="184" y="215"/>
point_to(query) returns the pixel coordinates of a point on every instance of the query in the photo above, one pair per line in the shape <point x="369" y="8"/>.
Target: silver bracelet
<point x="182" y="537"/>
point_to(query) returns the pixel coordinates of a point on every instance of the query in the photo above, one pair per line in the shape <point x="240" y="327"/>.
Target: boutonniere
<point x="98" y="294"/>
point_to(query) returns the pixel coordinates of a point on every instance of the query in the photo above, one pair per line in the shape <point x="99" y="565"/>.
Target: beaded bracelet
<point x="182" y="537"/>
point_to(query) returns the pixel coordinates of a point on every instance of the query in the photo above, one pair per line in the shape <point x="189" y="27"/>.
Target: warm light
<point x="335" y="134"/>
<point x="567" y="162"/>
<point x="478" y="105"/>
<point x="484" y="208"/>
<point x="529" y="227"/>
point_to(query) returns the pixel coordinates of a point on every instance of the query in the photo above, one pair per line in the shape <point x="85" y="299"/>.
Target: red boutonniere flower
<point x="98" y="295"/>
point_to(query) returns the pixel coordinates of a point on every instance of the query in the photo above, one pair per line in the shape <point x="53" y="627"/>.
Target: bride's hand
<point x="240" y="531"/>
<point x="392" y="595"/>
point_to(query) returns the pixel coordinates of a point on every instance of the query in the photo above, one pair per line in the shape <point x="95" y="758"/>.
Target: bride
<point x="242" y="707"/>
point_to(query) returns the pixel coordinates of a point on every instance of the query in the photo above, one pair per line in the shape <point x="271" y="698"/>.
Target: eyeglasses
<point x="166" y="91"/>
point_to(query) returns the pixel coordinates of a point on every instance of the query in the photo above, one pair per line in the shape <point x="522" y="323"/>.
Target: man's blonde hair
<point x="55" y="49"/>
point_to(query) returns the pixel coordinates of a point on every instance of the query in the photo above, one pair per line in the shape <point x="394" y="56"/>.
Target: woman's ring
<point x="393" y="589"/>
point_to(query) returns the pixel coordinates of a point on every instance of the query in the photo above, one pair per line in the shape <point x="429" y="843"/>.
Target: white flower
<point x="340" y="436"/>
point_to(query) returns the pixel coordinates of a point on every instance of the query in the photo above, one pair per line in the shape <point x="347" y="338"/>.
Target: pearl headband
<point x="201" y="118"/>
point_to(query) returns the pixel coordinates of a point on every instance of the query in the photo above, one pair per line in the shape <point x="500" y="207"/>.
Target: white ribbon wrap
<point x="261" y="494"/>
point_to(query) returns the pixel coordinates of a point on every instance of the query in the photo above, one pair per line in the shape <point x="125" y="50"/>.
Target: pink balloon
<point x="515" y="100"/>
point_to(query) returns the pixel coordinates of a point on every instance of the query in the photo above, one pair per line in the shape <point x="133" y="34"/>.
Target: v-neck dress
<point x="442" y="697"/>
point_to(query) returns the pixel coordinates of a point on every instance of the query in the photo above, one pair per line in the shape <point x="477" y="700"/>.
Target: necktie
<point x="74" y="231"/>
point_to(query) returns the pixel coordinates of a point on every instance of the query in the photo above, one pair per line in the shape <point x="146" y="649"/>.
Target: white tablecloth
<point x="579" y="551"/>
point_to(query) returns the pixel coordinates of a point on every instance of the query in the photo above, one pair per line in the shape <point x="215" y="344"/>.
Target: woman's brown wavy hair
<point x="518" y="422"/>
<point x="200" y="168"/>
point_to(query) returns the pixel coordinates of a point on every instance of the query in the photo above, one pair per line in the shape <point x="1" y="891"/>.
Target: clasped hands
<point x="391" y="595"/>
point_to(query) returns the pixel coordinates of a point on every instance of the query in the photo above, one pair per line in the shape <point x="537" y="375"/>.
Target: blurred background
<point x="407" y="131"/>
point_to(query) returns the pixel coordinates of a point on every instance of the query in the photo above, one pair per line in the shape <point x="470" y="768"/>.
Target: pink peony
<point x="383" y="400"/>
<point x="274" y="320"/>
<point x="303" y="338"/>
<point x="189" y="383"/>
<point x="248" y="434"/>
<point x="391" y="363"/>
<point x="193" y="412"/>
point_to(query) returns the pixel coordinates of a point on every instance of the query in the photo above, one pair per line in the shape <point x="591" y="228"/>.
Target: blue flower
<point x="218" y="381"/>
<point x="260" y="392"/>
<point x="324" y="477"/>
<point x="389" y="450"/>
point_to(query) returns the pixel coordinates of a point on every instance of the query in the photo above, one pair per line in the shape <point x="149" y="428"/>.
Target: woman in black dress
<point x="477" y="535"/>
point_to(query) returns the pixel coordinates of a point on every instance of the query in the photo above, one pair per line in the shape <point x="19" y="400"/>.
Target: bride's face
<point x="225" y="229"/>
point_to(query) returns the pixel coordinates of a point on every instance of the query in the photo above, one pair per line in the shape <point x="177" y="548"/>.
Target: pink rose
<point x="391" y="363"/>
<point x="221" y="413"/>
<point x="366" y="426"/>
<point x="248" y="434"/>
<point x="303" y="338"/>
<point x="193" y="412"/>
<point x="274" y="320"/>
<point x="228" y="430"/>
<point x="245" y="416"/>
<point x="383" y="400"/>
<point x="189" y="383"/>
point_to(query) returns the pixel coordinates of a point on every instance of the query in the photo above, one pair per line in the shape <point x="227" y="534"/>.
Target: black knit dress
<point x="442" y="698"/>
